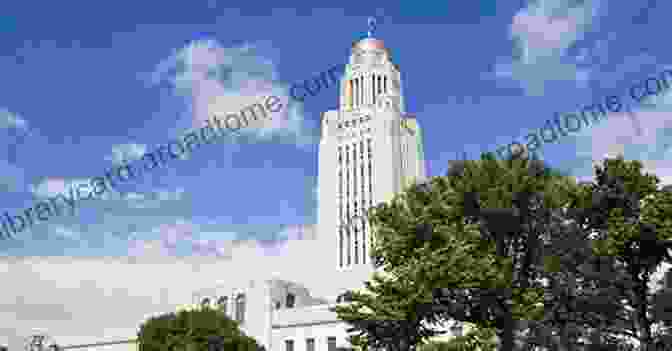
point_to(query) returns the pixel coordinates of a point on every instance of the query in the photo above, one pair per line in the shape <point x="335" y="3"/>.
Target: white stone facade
<point x="370" y="150"/>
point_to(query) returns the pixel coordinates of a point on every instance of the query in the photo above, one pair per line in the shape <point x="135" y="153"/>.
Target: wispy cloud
<point x="9" y="119"/>
<point x="53" y="186"/>
<point x="542" y="33"/>
<point x="153" y="199"/>
<point x="645" y="134"/>
<point x="49" y="187"/>
<point x="215" y="80"/>
<point x="14" y="131"/>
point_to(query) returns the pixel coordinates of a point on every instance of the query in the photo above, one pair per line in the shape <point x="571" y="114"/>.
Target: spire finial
<point x="372" y="26"/>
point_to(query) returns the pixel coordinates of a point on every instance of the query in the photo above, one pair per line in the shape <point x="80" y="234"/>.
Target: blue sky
<point x="86" y="84"/>
<point x="92" y="81"/>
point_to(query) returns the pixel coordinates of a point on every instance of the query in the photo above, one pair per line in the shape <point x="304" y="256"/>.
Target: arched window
<point x="205" y="302"/>
<point x="240" y="308"/>
<point x="222" y="302"/>
<point x="290" y="300"/>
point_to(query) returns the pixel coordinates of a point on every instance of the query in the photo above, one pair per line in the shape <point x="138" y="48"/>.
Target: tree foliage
<point x="202" y="329"/>
<point x="476" y="339"/>
<point x="386" y="315"/>
<point x="512" y="244"/>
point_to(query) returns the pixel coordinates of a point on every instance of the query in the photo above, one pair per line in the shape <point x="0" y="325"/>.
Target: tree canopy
<point x="516" y="248"/>
<point x="202" y="329"/>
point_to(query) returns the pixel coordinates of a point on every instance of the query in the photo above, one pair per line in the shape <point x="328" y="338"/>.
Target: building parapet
<point x="317" y="314"/>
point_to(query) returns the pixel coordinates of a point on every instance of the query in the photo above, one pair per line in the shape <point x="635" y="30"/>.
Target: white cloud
<point x="645" y="135"/>
<point x="170" y="195"/>
<point x="15" y="131"/>
<point x="9" y="119"/>
<point x="66" y="233"/>
<point x="168" y="239"/>
<point x="542" y="33"/>
<point x="51" y="187"/>
<point x="218" y="80"/>
<point x="153" y="199"/>
<point x="67" y="296"/>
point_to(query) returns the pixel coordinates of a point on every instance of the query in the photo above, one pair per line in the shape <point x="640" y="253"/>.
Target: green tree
<point x="386" y="314"/>
<point x="496" y="242"/>
<point x="631" y="217"/>
<point x="600" y="263"/>
<point x="476" y="339"/>
<point x="434" y="236"/>
<point x="202" y="329"/>
<point x="581" y="293"/>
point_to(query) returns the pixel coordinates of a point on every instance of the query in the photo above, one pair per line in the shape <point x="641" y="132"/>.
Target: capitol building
<point x="370" y="150"/>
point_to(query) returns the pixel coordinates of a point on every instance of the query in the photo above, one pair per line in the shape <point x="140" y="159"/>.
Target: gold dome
<point x="369" y="44"/>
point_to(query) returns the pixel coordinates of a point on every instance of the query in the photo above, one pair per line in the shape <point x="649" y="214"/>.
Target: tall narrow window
<point x="349" y="94"/>
<point x="340" y="183"/>
<point x="222" y="302"/>
<point x="331" y="343"/>
<point x="310" y="344"/>
<point x="289" y="345"/>
<point x="361" y="90"/>
<point x="291" y="299"/>
<point x="349" y="243"/>
<point x="340" y="246"/>
<point x="354" y="168"/>
<point x="240" y="308"/>
<point x="373" y="90"/>
<point x="356" y="244"/>
<point x="385" y="85"/>
<point x="364" y="243"/>
<point x="374" y="87"/>
<point x="205" y="303"/>
<point x="354" y="93"/>
<point x="380" y="86"/>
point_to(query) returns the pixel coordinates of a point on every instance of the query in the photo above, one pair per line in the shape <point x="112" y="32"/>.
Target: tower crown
<point x="369" y="44"/>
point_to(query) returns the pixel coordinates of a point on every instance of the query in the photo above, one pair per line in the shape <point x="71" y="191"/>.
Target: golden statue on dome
<point x="372" y="26"/>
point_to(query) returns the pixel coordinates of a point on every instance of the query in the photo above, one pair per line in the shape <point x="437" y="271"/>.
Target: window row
<point x="354" y="122"/>
<point x="354" y="151"/>
<point x="364" y="90"/>
<point x="222" y="305"/>
<point x="310" y="344"/>
<point x="354" y="188"/>
<point x="350" y="246"/>
<point x="290" y="301"/>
